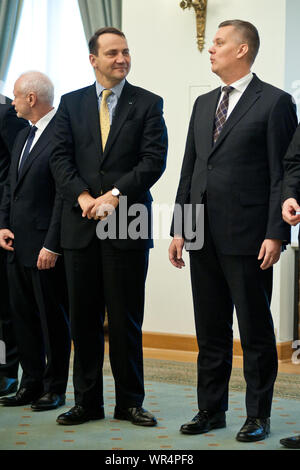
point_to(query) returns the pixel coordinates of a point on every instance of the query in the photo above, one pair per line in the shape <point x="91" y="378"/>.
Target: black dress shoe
<point x="22" y="397"/>
<point x="79" y="415"/>
<point x="8" y="386"/>
<point x="48" y="401"/>
<point x="137" y="416"/>
<point x="291" y="442"/>
<point x="203" y="422"/>
<point x="254" y="429"/>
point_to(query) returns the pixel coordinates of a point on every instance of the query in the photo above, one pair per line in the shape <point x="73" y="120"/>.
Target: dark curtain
<point x="96" y="14"/>
<point x="10" y="13"/>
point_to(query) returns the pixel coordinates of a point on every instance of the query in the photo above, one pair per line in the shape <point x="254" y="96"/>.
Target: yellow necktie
<point x="104" y="117"/>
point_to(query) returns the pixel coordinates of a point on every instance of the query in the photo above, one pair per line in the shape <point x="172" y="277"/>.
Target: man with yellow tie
<point x="110" y="148"/>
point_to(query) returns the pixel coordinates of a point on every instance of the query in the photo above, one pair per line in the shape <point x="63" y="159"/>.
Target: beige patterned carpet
<point x="182" y="373"/>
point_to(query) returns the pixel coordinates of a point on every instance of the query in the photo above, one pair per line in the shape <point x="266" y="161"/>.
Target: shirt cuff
<point x="50" y="251"/>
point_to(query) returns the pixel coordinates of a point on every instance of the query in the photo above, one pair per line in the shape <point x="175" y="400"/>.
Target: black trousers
<point x="41" y="326"/>
<point x="100" y="277"/>
<point x="10" y="369"/>
<point x="220" y="282"/>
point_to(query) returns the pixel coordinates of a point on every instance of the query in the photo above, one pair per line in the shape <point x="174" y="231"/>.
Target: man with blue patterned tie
<point x="237" y="138"/>
<point x="30" y="217"/>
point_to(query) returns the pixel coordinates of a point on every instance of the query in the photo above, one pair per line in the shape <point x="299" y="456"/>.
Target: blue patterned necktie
<point x="222" y="111"/>
<point x="27" y="148"/>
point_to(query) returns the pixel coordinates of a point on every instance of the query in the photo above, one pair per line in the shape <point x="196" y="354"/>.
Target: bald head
<point x="38" y="83"/>
<point x="34" y="95"/>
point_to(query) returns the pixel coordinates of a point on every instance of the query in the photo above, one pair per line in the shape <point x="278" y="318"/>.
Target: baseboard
<point x="170" y="341"/>
<point x="189" y="343"/>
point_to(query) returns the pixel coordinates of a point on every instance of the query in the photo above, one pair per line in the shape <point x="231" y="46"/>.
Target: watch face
<point x="115" y="192"/>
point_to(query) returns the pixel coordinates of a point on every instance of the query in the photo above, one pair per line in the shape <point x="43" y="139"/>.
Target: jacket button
<point x="102" y="172"/>
<point x="210" y="167"/>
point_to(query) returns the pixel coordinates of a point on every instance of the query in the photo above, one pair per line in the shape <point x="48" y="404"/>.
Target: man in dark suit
<point x="96" y="160"/>
<point x="237" y="138"/>
<point x="291" y="214"/>
<point x="10" y="125"/>
<point x="30" y="225"/>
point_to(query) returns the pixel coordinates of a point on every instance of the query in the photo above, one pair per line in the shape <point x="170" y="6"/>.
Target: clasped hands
<point x="97" y="208"/>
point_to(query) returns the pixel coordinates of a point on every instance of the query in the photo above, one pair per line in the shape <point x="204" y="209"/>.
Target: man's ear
<point x="92" y="60"/>
<point x="32" y="98"/>
<point x="242" y="51"/>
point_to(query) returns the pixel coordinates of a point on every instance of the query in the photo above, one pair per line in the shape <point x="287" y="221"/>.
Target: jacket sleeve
<point x="52" y="240"/>
<point x="281" y="127"/>
<point x="5" y="205"/>
<point x="62" y="162"/>
<point x="291" y="163"/>
<point x="184" y="187"/>
<point x="152" y="155"/>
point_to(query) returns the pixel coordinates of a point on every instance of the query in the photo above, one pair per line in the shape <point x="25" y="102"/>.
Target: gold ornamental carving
<point x="200" y="7"/>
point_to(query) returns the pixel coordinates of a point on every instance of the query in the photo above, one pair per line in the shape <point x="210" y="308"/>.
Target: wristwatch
<point x="115" y="192"/>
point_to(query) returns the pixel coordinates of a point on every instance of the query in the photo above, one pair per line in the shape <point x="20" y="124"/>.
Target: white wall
<point x="165" y="60"/>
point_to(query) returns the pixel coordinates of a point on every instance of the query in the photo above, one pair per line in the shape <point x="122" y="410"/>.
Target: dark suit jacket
<point x="30" y="207"/>
<point x="10" y="125"/>
<point x="291" y="162"/>
<point x="241" y="174"/>
<point x="133" y="160"/>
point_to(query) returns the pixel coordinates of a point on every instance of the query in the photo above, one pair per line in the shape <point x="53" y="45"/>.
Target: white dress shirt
<point x="112" y="99"/>
<point x="235" y="95"/>
<point x="41" y="126"/>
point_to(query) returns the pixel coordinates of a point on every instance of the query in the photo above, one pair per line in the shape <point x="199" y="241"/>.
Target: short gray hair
<point x="39" y="83"/>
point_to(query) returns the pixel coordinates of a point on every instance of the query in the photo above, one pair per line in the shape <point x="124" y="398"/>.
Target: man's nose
<point x="120" y="57"/>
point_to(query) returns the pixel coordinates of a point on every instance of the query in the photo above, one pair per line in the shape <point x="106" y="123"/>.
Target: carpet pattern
<point x="171" y="396"/>
<point x="182" y="373"/>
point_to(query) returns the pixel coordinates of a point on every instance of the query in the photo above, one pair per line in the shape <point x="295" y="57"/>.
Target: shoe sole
<point x="210" y="428"/>
<point x="9" y="405"/>
<point x="253" y="440"/>
<point x="122" y="418"/>
<point x="47" y="408"/>
<point x="290" y="446"/>
<point x="64" y="423"/>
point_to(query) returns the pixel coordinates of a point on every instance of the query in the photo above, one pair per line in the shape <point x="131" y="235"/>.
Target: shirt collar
<point x="241" y="84"/>
<point x="44" y="121"/>
<point x="117" y="90"/>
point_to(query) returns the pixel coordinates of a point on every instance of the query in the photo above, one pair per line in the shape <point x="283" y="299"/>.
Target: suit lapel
<point x="124" y="105"/>
<point x="20" y="142"/>
<point x="247" y="100"/>
<point x="92" y="113"/>
<point x="35" y="152"/>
